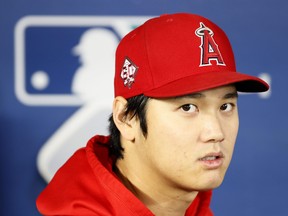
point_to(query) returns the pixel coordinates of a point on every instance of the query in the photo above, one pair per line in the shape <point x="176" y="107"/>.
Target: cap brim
<point x="204" y="81"/>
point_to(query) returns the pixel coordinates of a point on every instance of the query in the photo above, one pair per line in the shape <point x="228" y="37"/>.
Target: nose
<point x="212" y="129"/>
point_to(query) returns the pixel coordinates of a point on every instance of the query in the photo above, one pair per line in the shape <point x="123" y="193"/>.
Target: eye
<point x="189" y="108"/>
<point x="227" y="107"/>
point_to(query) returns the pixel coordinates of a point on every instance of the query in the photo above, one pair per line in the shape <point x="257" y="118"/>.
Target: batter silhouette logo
<point x="68" y="61"/>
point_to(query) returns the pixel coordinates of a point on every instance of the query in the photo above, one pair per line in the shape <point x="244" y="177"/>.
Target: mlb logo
<point x="69" y="61"/>
<point x="55" y="55"/>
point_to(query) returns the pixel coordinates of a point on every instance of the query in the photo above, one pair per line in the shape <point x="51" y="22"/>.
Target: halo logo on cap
<point x="209" y="48"/>
<point x="128" y="72"/>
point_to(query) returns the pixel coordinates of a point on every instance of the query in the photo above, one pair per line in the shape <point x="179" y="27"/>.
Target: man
<point x="173" y="127"/>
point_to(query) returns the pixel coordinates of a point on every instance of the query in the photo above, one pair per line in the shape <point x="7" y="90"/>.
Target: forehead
<point x="223" y="92"/>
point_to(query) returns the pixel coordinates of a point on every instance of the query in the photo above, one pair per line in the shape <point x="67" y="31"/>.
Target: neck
<point x="162" y="201"/>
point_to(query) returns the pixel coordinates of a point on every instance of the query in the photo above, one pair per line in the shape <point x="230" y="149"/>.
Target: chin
<point x="213" y="183"/>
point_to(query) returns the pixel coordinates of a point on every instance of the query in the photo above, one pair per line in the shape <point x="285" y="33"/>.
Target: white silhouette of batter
<point x="93" y="83"/>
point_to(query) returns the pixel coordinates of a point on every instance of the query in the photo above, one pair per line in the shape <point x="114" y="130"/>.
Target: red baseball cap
<point x="178" y="54"/>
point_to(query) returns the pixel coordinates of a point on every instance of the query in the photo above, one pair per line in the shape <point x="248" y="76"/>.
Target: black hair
<point x="135" y="107"/>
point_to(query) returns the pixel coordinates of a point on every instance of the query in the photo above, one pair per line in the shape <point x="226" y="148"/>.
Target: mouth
<point x="212" y="160"/>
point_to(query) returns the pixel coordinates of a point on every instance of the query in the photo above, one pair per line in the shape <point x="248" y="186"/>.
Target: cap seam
<point x="147" y="55"/>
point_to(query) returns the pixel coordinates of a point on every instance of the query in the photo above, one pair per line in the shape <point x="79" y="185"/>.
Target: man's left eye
<point x="227" y="107"/>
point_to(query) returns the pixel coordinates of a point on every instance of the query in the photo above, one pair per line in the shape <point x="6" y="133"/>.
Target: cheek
<point x="170" y="143"/>
<point x="232" y="130"/>
<point x="162" y="139"/>
<point x="168" y="132"/>
<point x="230" y="138"/>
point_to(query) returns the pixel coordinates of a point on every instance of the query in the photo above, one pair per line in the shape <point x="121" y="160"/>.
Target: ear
<point x="124" y="124"/>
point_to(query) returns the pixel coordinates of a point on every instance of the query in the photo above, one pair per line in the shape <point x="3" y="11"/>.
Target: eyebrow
<point x="231" y="95"/>
<point x="199" y="95"/>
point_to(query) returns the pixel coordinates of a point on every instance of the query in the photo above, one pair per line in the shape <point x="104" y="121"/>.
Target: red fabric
<point x="86" y="185"/>
<point x="177" y="54"/>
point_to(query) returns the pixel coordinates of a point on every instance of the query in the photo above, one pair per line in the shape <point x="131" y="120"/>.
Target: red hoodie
<point x="86" y="185"/>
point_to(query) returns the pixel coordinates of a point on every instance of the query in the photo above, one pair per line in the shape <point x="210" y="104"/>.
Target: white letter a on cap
<point x="209" y="48"/>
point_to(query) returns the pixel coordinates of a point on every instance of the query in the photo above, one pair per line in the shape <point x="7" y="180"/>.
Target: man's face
<point x="190" y="139"/>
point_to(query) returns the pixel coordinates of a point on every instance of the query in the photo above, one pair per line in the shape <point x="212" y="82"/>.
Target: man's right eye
<point x="189" y="108"/>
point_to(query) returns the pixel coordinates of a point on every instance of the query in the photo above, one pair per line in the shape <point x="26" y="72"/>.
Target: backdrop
<point x="48" y="49"/>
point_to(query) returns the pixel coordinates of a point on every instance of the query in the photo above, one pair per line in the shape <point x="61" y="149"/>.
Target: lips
<point x="212" y="156"/>
<point x="209" y="158"/>
<point x="212" y="160"/>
